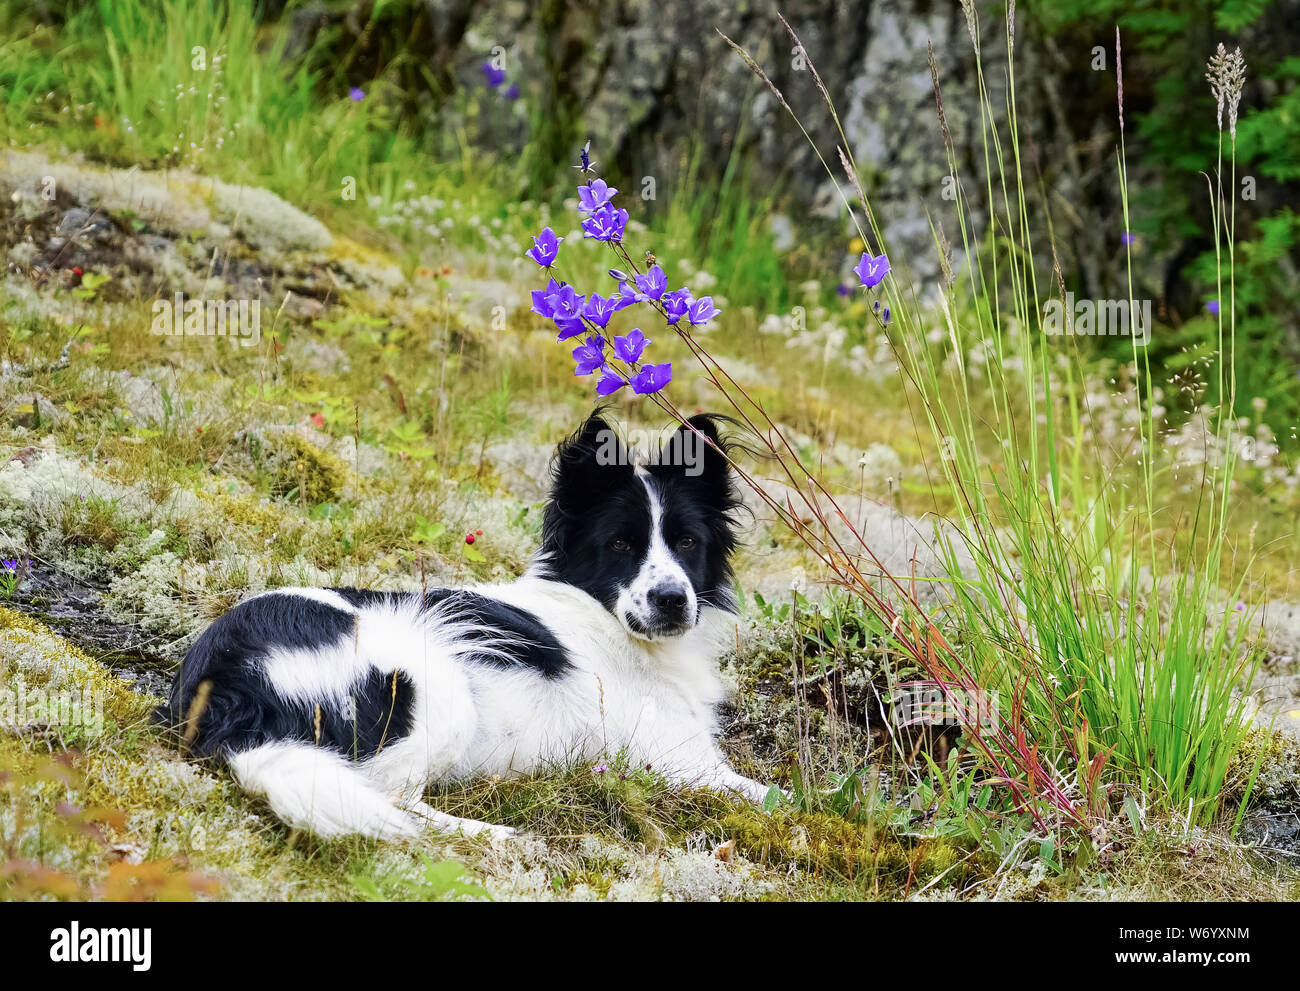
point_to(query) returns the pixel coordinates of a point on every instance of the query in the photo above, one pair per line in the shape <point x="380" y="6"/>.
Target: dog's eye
<point x="686" y="543"/>
<point x="619" y="546"/>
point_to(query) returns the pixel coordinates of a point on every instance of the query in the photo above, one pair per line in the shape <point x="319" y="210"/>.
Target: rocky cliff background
<point x="661" y="95"/>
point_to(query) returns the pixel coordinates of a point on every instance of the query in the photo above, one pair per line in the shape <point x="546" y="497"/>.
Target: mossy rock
<point x="45" y="659"/>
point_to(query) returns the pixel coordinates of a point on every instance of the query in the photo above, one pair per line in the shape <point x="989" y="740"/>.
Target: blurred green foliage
<point x="1176" y="139"/>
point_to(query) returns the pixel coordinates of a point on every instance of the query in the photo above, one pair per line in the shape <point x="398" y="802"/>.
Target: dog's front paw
<point x="748" y="788"/>
<point x="492" y="831"/>
<point x="445" y="823"/>
<point x="484" y="830"/>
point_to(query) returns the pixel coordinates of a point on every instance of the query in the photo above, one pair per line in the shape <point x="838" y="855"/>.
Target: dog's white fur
<point x="658" y="569"/>
<point x="650" y="700"/>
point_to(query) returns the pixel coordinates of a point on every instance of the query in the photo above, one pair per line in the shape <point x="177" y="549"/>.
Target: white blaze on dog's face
<point x="661" y="599"/>
<point x="650" y="542"/>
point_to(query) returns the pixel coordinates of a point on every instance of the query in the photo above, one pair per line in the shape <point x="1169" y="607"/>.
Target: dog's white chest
<point x="619" y="699"/>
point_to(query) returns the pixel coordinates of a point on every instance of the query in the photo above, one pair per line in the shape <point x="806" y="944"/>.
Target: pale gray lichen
<point x="266" y="221"/>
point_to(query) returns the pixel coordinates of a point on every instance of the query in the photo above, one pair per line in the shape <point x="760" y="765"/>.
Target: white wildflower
<point x="880" y="466"/>
<point x="798" y="580"/>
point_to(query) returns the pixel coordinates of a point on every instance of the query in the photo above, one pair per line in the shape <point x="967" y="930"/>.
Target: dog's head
<point x="651" y="541"/>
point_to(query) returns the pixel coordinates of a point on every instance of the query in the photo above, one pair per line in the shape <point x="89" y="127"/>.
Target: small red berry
<point x="479" y="532"/>
<point x="469" y="538"/>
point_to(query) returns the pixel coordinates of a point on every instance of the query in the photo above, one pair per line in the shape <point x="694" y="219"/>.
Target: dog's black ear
<point x="584" y="465"/>
<point x="700" y="454"/>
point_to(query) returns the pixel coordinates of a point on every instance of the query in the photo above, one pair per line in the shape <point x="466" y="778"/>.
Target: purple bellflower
<point x="626" y="295"/>
<point x="589" y="356"/>
<point x="652" y="378"/>
<point x="652" y="285"/>
<point x="595" y="195"/>
<point x="540" y="305"/>
<point x="676" y="304"/>
<point x="599" y="309"/>
<point x="606" y="223"/>
<point x="610" y="382"/>
<point x="629" y="348"/>
<point x="546" y="246"/>
<point x="566" y="310"/>
<point x="702" y="310"/>
<point x="871" y="270"/>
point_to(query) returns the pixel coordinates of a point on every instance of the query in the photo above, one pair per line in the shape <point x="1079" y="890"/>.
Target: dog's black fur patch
<point x="521" y="636"/>
<point x="239" y="712"/>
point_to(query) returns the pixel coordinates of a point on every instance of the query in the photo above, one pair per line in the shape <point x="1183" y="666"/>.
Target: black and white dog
<point x="340" y="706"/>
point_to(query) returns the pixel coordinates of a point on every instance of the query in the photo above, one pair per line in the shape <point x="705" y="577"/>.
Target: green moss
<point x="826" y="845"/>
<point x="243" y="511"/>
<point x="95" y="522"/>
<point x="346" y="249"/>
<point x="1268" y="764"/>
<point x="629" y="804"/>
<point x="315" y="475"/>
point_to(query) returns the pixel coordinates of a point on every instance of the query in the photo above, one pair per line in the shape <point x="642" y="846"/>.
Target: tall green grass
<point x="727" y="225"/>
<point x="122" y="80"/>
<point x="1115" y="653"/>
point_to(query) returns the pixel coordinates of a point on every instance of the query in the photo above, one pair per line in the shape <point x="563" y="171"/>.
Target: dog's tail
<point x="319" y="790"/>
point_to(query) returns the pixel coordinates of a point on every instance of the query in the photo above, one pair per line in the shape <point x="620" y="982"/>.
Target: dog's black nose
<point x="668" y="600"/>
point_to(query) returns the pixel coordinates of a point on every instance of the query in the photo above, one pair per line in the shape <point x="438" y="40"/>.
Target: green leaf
<point x="368" y="889"/>
<point x="1134" y="813"/>
<point x="772" y="799"/>
<point x="426" y="532"/>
